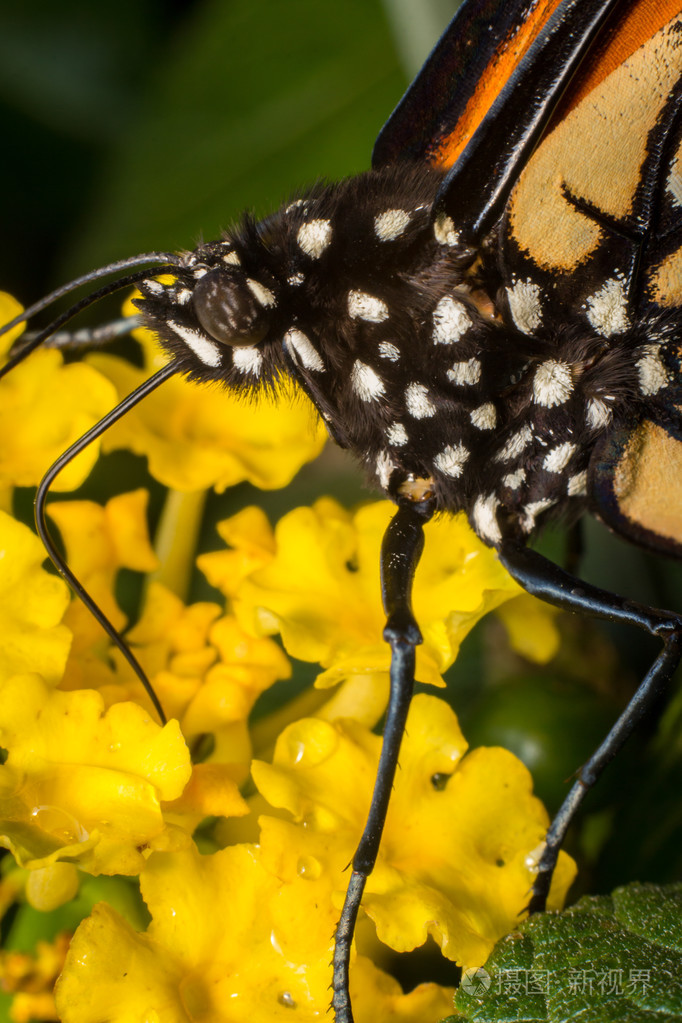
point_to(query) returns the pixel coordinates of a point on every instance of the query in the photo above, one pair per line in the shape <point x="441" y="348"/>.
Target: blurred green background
<point x="149" y="125"/>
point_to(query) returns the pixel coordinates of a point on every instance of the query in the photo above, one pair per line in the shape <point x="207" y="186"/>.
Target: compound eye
<point x="228" y="309"/>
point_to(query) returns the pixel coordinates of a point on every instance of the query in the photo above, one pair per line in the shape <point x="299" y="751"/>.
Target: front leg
<point x="400" y="552"/>
<point x="544" y="579"/>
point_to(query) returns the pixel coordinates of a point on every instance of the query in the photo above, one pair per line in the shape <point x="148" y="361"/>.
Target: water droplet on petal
<point x="308" y="868"/>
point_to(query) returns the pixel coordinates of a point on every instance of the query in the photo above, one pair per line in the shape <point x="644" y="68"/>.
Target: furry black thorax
<point x="424" y="358"/>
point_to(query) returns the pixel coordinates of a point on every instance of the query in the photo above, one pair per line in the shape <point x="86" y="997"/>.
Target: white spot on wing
<point x="362" y="306"/>
<point x="577" y="485"/>
<point x="484" y="417"/>
<point x="653" y="375"/>
<point x="552" y="383"/>
<point x="607" y="309"/>
<point x="674" y="184"/>
<point x="515" y="445"/>
<point x="558" y="458"/>
<point x="450" y="460"/>
<point x="524" y="305"/>
<point x="389" y="351"/>
<point x="303" y="350"/>
<point x="450" y="321"/>
<point x="314" y="237"/>
<point x="390" y="224"/>
<point x="206" y="350"/>
<point x="366" y="383"/>
<point x="444" y="230"/>
<point x="248" y="360"/>
<point x="396" y="434"/>
<point x="484" y="515"/>
<point x="465" y="374"/>
<point x="260" y="293"/>
<point x="183" y="296"/>
<point x="417" y="401"/>
<point x="154" y="287"/>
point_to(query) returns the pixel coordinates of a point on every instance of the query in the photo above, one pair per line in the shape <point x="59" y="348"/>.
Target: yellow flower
<point x="206" y="670"/>
<point x="30" y="978"/>
<point x="252" y="545"/>
<point x="44" y="407"/>
<point x="100" y="541"/>
<point x="32" y="603"/>
<point x="204" y="436"/>
<point x="81" y="784"/>
<point x="321" y="589"/>
<point x="228" y="943"/>
<point x="454" y="860"/>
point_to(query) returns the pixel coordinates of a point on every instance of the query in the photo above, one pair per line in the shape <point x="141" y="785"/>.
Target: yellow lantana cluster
<point x="241" y="907"/>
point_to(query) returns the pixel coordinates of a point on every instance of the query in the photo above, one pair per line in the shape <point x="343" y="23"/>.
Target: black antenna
<point x="68" y="314"/>
<point x="92" y="275"/>
<point x="41" y="524"/>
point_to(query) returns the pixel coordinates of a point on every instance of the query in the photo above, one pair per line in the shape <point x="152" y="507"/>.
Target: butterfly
<point x="487" y="319"/>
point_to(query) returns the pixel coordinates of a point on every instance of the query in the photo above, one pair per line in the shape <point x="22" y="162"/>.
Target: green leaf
<point x="616" y="957"/>
<point x="254" y="101"/>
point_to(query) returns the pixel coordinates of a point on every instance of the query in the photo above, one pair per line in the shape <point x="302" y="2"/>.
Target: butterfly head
<point x="215" y="316"/>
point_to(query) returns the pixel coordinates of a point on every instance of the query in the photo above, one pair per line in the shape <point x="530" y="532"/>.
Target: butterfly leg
<point x="400" y="552"/>
<point x="546" y="580"/>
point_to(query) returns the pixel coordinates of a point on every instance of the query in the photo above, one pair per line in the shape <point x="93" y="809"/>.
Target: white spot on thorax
<point x="260" y="293"/>
<point x="597" y="414"/>
<point x="248" y="360"/>
<point x="524" y="305"/>
<point x="558" y="458"/>
<point x="297" y="204"/>
<point x="515" y="445"/>
<point x="417" y="401"/>
<point x="513" y="480"/>
<point x="552" y="383"/>
<point x="302" y="350"/>
<point x="295" y="280"/>
<point x="444" y="230"/>
<point x="314" y="237"/>
<point x="465" y="374"/>
<point x="362" y="306"/>
<point x="484" y="514"/>
<point x="653" y="375"/>
<point x="577" y="485"/>
<point x="450" y="460"/>
<point x="484" y="417"/>
<point x="209" y="353"/>
<point x="389" y="351"/>
<point x="385" y="468"/>
<point x="450" y="321"/>
<point x="396" y="434"/>
<point x="607" y="309"/>
<point x="366" y="383"/>
<point x="531" y="512"/>
<point x="232" y="258"/>
<point x="390" y="224"/>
